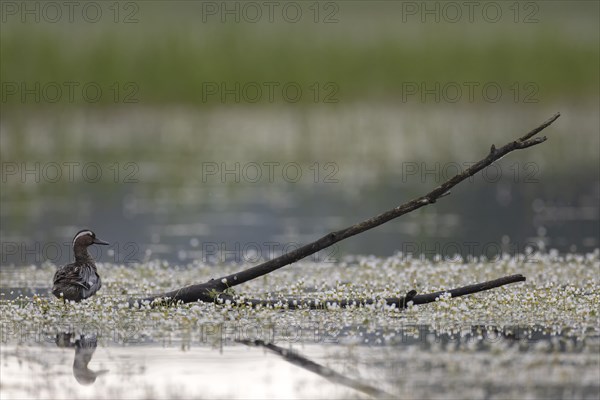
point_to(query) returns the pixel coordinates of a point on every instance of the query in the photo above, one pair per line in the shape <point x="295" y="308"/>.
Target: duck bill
<point x="99" y="241"/>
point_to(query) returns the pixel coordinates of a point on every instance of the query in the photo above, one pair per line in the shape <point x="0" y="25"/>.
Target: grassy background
<point x="370" y="53"/>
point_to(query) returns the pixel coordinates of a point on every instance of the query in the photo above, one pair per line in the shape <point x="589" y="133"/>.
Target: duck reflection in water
<point x="85" y="347"/>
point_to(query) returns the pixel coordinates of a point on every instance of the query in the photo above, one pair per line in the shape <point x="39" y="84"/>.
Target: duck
<point x="79" y="280"/>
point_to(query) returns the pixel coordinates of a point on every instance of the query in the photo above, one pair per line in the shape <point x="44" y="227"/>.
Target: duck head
<point x="82" y="240"/>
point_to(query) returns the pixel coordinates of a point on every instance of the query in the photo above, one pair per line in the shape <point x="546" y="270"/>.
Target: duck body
<point x="79" y="280"/>
<point x="76" y="281"/>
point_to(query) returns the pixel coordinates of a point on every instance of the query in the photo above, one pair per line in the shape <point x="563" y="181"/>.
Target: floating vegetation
<point x="561" y="297"/>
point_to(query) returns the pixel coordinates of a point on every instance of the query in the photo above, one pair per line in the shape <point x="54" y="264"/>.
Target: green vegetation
<point x="176" y="58"/>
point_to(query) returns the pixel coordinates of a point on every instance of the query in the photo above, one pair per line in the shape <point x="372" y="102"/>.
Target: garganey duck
<point x="79" y="280"/>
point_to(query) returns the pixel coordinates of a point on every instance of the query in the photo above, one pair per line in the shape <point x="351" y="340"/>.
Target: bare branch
<point x="207" y="291"/>
<point x="540" y="128"/>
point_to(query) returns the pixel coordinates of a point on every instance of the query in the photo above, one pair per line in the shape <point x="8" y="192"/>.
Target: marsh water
<point x="188" y="187"/>
<point x="249" y="184"/>
<point x="224" y="189"/>
<point x="418" y="364"/>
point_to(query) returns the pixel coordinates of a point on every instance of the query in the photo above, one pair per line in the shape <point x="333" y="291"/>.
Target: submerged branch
<point x="208" y="291"/>
<point x="398" y="302"/>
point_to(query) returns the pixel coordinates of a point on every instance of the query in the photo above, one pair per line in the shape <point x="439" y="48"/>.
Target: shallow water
<point x="247" y="184"/>
<point x="420" y="366"/>
<point x="535" y="339"/>
<point x="162" y="372"/>
<point x="425" y="366"/>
